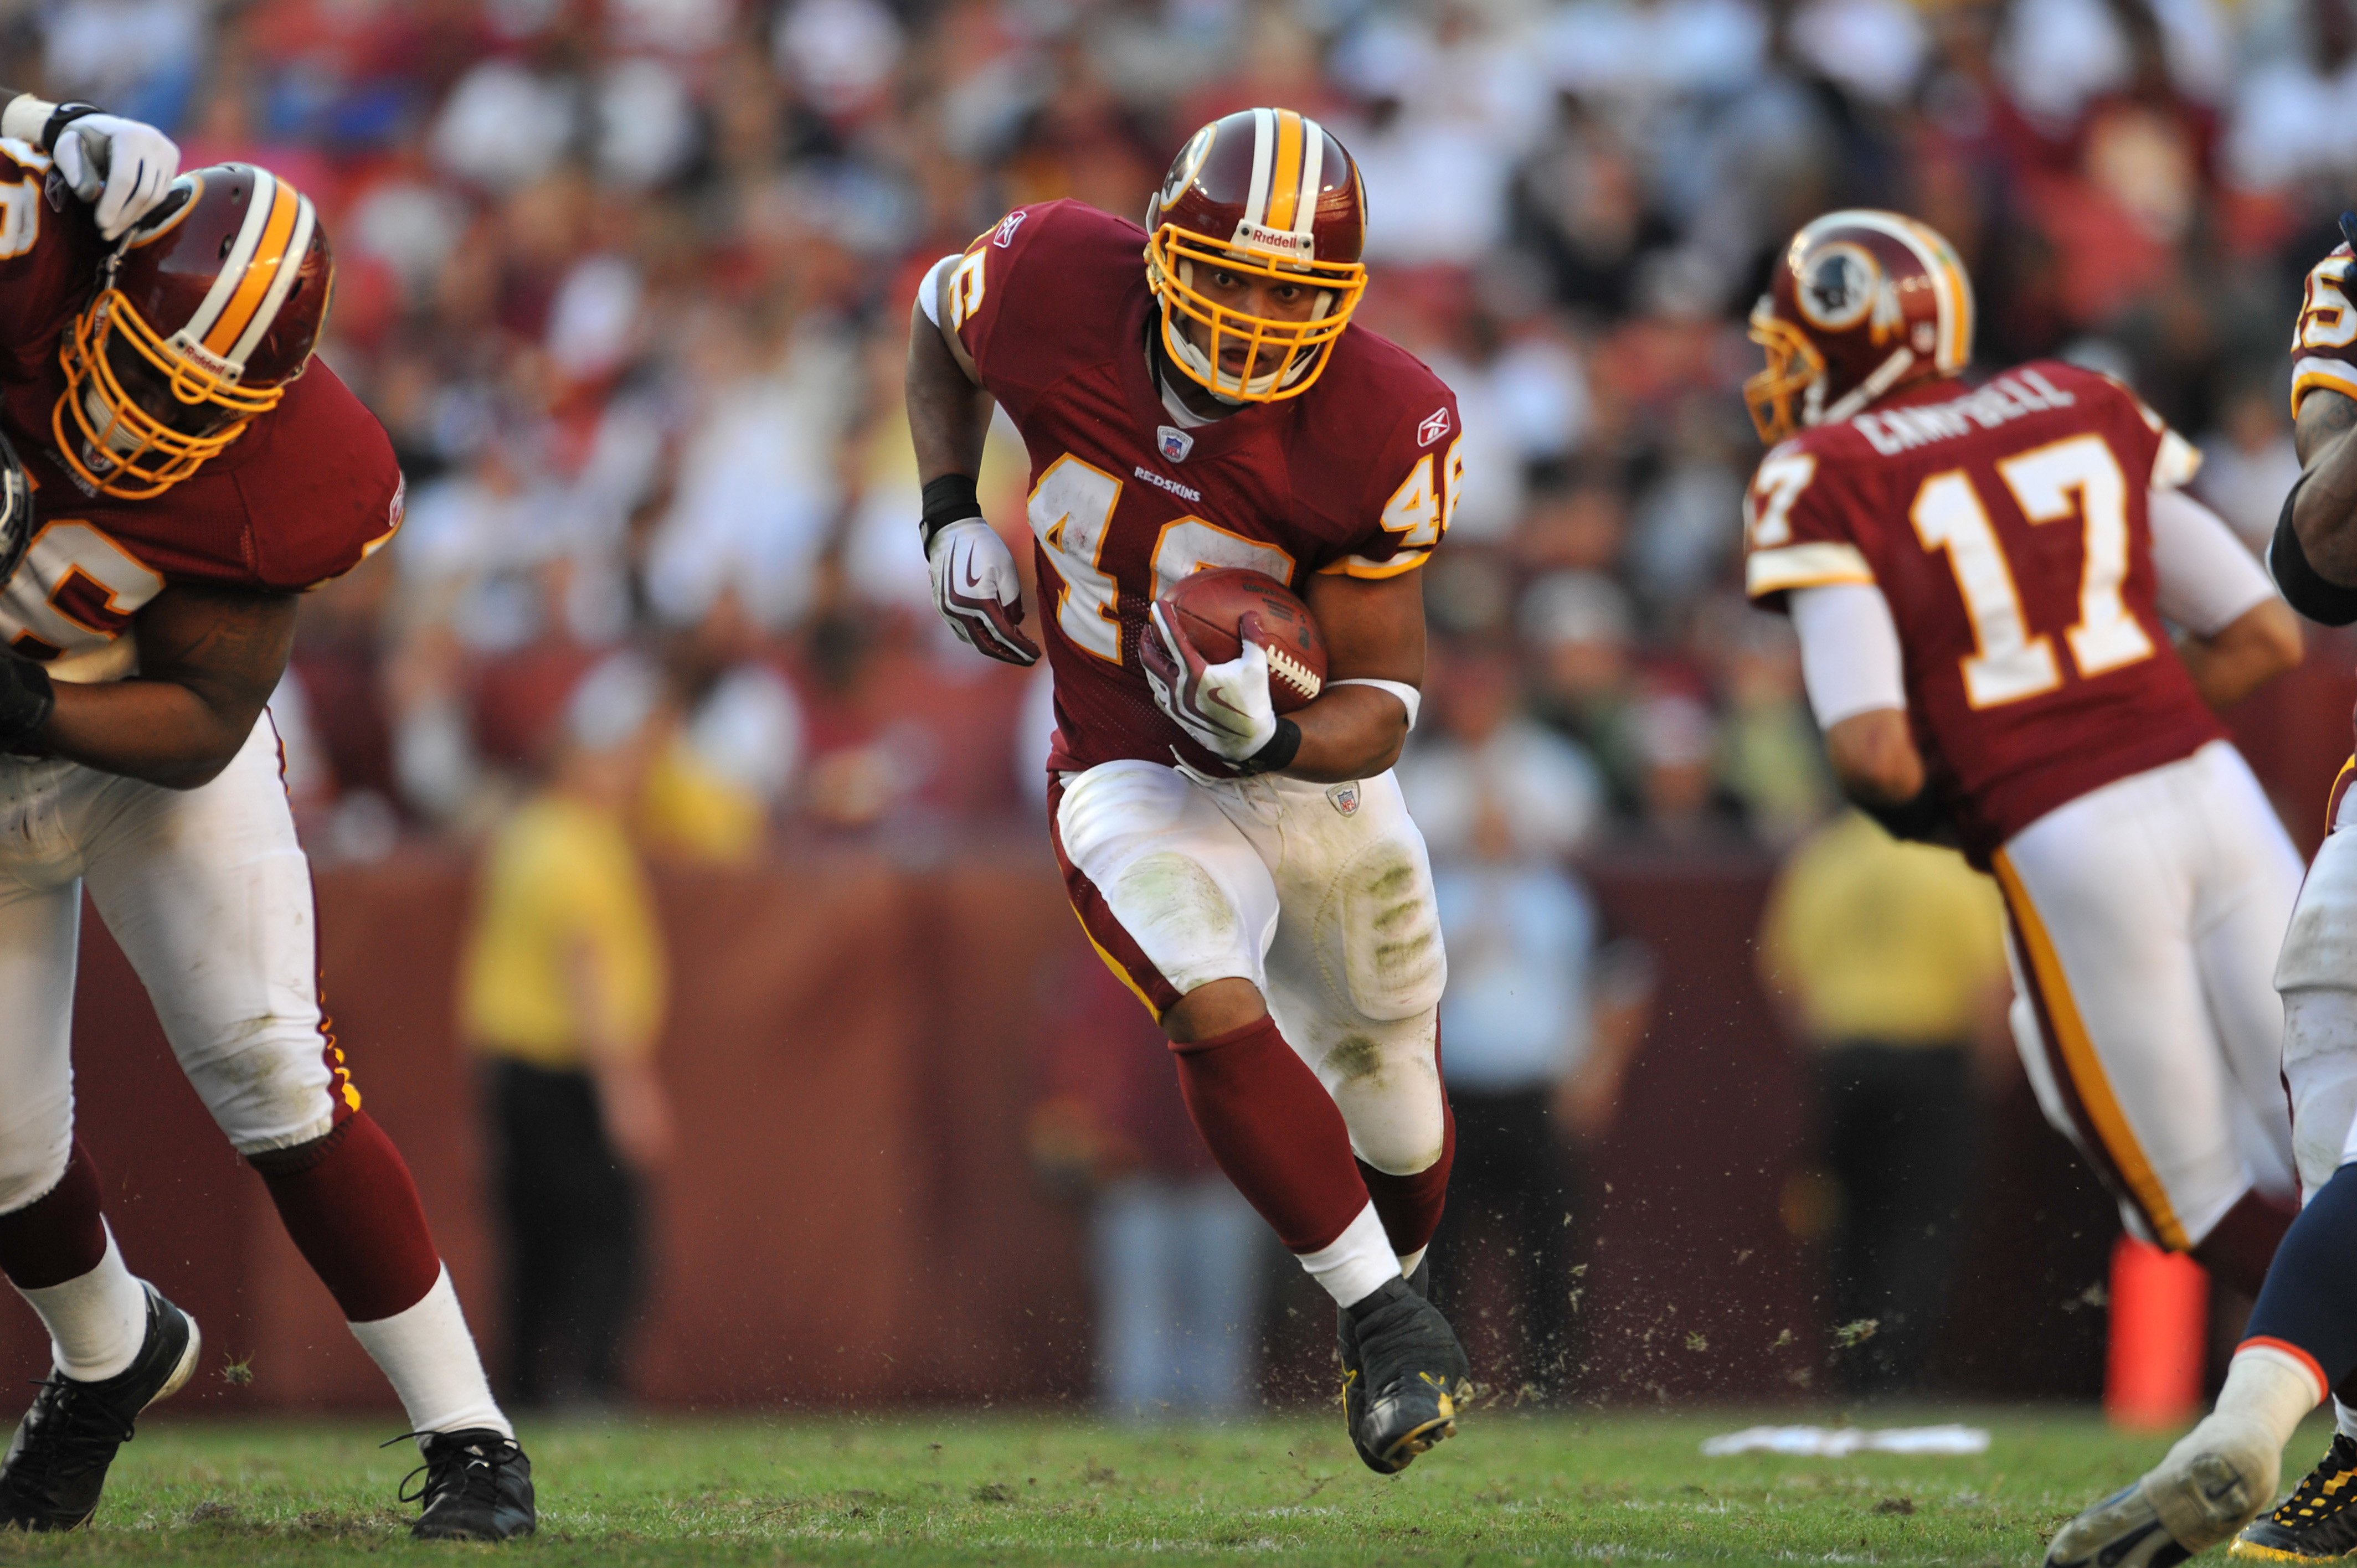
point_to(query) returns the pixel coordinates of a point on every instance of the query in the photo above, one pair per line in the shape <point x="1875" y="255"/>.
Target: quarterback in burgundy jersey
<point x="2300" y="1345"/>
<point x="1980" y="577"/>
<point x="1194" y="394"/>
<point x="191" y="471"/>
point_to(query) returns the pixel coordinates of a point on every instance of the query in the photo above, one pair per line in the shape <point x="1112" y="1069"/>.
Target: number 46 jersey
<point x="2005" y="525"/>
<point x="1357" y="476"/>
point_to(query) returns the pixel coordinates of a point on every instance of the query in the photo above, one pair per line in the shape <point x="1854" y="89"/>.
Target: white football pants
<point x="2145" y="919"/>
<point x="1319" y="894"/>
<point x="208" y="894"/>
<point x="2317" y="977"/>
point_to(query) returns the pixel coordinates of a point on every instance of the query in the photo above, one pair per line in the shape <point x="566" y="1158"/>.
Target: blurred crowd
<point x="628" y="281"/>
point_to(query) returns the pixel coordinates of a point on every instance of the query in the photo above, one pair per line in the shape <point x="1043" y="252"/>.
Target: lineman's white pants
<point x="208" y="894"/>
<point x="2146" y="917"/>
<point x="1320" y="895"/>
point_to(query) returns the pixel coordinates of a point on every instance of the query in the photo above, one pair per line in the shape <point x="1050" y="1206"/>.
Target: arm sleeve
<point x="1850" y="659"/>
<point x="2207" y="579"/>
<point x="2306" y="590"/>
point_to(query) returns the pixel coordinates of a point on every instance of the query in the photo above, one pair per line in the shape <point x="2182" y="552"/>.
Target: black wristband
<point x="948" y="499"/>
<point x="26" y="698"/>
<point x="2301" y="585"/>
<point x="1922" y="820"/>
<point x="1279" y="753"/>
<point x="64" y="114"/>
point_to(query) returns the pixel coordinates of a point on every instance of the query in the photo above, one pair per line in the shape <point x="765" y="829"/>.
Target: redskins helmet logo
<point x="1838" y="286"/>
<point x="1189" y="164"/>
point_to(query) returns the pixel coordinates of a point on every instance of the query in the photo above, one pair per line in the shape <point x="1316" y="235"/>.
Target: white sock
<point x="2273" y="1389"/>
<point x="96" y="1321"/>
<point x="1407" y="1264"/>
<point x="1356" y="1263"/>
<point x="429" y="1356"/>
<point x="2344" y="1420"/>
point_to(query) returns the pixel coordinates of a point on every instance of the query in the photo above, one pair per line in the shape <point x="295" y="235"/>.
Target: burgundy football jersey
<point x="307" y="492"/>
<point x="2324" y="338"/>
<point x="2006" y="526"/>
<point x="1357" y="475"/>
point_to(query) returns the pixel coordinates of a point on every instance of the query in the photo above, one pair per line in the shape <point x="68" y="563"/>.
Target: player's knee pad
<point x="268" y="1087"/>
<point x="33" y="1158"/>
<point x="1384" y="1079"/>
<point x="1386" y="923"/>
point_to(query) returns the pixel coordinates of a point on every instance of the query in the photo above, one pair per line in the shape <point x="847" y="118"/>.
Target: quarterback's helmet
<point x="204" y="316"/>
<point x="1268" y="194"/>
<point x="1861" y="303"/>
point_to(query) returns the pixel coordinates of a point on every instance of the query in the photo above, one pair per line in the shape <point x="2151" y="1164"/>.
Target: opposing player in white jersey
<point x="2300" y="1345"/>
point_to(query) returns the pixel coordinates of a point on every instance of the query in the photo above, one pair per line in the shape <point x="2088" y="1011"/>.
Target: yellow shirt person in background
<point x="563" y="995"/>
<point x="1888" y="959"/>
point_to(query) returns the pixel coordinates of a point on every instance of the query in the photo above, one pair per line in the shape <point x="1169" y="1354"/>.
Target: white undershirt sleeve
<point x="929" y="293"/>
<point x="2207" y="579"/>
<point x="1850" y="659"/>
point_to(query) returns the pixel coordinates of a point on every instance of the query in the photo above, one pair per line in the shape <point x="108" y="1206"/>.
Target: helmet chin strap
<point x="1886" y="375"/>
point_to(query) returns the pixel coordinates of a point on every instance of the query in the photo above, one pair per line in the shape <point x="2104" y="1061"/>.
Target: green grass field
<point x="1033" y="1489"/>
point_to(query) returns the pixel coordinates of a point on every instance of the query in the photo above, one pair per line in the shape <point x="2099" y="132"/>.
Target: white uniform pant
<point x="2144" y="917"/>
<point x="2317" y="977"/>
<point x="1320" y="895"/>
<point x="208" y="894"/>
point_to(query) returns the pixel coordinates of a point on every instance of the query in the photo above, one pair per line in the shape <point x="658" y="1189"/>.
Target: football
<point x="1211" y="606"/>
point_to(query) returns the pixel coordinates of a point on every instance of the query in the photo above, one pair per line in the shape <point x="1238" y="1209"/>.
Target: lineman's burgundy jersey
<point x="303" y="496"/>
<point x="1357" y="475"/>
<point x="2006" y="526"/>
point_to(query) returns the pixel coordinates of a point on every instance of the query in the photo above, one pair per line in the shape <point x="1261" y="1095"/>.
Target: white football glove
<point x="121" y="166"/>
<point x="979" y="591"/>
<point x="1226" y="708"/>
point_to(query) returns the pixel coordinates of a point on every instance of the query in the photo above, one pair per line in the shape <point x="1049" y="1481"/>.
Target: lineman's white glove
<point x="1225" y="707"/>
<point x="121" y="166"/>
<point x="979" y="591"/>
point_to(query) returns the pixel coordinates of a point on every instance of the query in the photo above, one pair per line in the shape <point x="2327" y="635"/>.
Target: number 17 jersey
<point x="2005" y="525"/>
<point x="1358" y="476"/>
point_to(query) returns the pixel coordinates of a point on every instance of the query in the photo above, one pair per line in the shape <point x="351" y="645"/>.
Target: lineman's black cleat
<point x="56" y="1469"/>
<point x="1404" y="1374"/>
<point x="1354" y="1381"/>
<point x="478" y="1486"/>
<point x="2316" y="1522"/>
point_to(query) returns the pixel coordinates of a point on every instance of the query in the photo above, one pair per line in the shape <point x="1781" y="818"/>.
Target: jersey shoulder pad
<point x="322" y="490"/>
<point x="2324" y="335"/>
<point x="1809" y="516"/>
<point x="1039" y="293"/>
<point x="2148" y="446"/>
<point x="1382" y="446"/>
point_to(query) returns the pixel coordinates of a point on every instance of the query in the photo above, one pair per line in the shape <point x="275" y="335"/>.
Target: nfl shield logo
<point x="1345" y="798"/>
<point x="1176" y="443"/>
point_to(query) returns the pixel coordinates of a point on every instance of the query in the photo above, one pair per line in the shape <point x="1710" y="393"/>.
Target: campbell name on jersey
<point x="1357" y="476"/>
<point x="2005" y="525"/>
<point x="308" y="491"/>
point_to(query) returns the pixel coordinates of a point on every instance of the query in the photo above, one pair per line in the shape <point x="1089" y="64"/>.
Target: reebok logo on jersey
<point x="1007" y="227"/>
<point x="1433" y="428"/>
<point x="1184" y="492"/>
<point x="1175" y="443"/>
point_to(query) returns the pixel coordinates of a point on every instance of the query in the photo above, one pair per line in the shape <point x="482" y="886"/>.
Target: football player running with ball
<point x="192" y="472"/>
<point x="1194" y="396"/>
<point x="1983" y="579"/>
<point x="2300" y="1345"/>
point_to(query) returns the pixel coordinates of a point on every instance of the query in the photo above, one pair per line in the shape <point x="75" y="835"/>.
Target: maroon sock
<point x="58" y="1236"/>
<point x="1409" y="1205"/>
<point x="348" y="1201"/>
<point x="1275" y="1131"/>
<point x="2241" y="1245"/>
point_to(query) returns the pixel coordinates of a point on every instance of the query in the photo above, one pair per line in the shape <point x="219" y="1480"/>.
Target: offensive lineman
<point x="190" y="487"/>
<point x="2300" y="1345"/>
<point x="1254" y="880"/>
<point x="1979" y="579"/>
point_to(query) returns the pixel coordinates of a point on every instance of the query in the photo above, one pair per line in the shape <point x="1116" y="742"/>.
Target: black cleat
<point x="2316" y="1522"/>
<point x="1402" y="1374"/>
<point x="56" y="1469"/>
<point x="478" y="1486"/>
